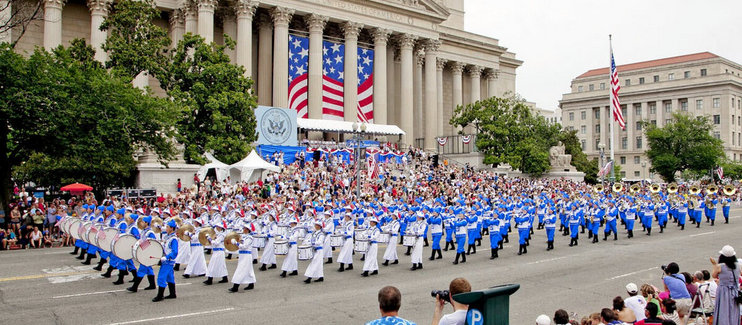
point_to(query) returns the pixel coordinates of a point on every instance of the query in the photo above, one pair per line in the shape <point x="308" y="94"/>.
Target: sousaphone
<point x="228" y="241"/>
<point x="729" y="190"/>
<point x="635" y="188"/>
<point x="694" y="189"/>
<point x="712" y="189"/>
<point x="617" y="187"/>
<point x="205" y="235"/>
<point x="672" y="188"/>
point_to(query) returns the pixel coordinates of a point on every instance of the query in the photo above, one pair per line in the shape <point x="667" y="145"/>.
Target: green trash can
<point x="489" y="306"/>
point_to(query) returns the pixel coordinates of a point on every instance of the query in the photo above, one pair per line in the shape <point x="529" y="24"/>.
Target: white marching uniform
<point x="328" y="230"/>
<point x="346" y="253"/>
<point x="390" y="254"/>
<point x="418" y="229"/>
<point x="217" y="264"/>
<point x="316" y="267"/>
<point x="269" y="254"/>
<point x="290" y="263"/>
<point x="184" y="252"/>
<point x="197" y="261"/>
<point x="244" y="272"/>
<point x="371" y="263"/>
<point x="254" y="223"/>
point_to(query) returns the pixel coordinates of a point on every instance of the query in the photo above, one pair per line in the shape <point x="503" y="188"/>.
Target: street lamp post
<point x="358" y="130"/>
<point x="644" y="165"/>
<point x="601" y="147"/>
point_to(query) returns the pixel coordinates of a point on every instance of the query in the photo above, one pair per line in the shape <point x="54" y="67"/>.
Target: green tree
<point x="573" y="147"/>
<point x="216" y="97"/>
<point x="135" y="43"/>
<point x="508" y="132"/>
<point x="66" y="118"/>
<point x="684" y="143"/>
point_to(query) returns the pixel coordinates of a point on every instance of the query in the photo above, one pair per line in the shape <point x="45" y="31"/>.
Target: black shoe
<point x="209" y="281"/>
<point x="492" y="256"/>
<point x="121" y="278"/>
<point x="171" y="289"/>
<point x="440" y="255"/>
<point x="134" y="286"/>
<point x="81" y="256"/>
<point x="283" y="274"/>
<point x="308" y="280"/>
<point x="254" y="261"/>
<point x="319" y="280"/>
<point x="386" y="263"/>
<point x="375" y="272"/>
<point x="159" y="297"/>
<point x="229" y="256"/>
<point x="432" y="257"/>
<point x="263" y="268"/>
<point x="395" y="262"/>
<point x="349" y="267"/>
<point x="186" y="276"/>
<point x="414" y="267"/>
<point x="250" y="286"/>
<point x="152" y="283"/>
<point x="108" y="272"/>
<point x="294" y="273"/>
<point x="224" y="280"/>
<point x="463" y="258"/>
<point x="329" y="261"/>
<point x="234" y="288"/>
<point x="74" y="252"/>
<point x="342" y="267"/>
<point x="273" y="266"/>
<point x="364" y="274"/>
<point x="176" y="267"/>
<point x="420" y="266"/>
<point x="456" y="261"/>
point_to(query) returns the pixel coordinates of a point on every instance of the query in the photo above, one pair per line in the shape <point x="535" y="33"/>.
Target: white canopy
<point x="251" y="168"/>
<point x="346" y="127"/>
<point x="222" y="169"/>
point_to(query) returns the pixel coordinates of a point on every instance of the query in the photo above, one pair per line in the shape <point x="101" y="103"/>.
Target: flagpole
<point x="611" y="117"/>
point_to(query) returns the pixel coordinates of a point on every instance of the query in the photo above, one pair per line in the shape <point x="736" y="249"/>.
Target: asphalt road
<point x="49" y="286"/>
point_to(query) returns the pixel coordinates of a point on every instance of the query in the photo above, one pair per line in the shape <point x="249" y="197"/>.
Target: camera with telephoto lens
<point x="444" y="294"/>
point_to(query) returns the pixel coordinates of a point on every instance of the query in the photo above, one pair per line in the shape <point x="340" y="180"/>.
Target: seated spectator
<point x="608" y="317"/>
<point x="692" y="289"/>
<point x="458" y="317"/>
<point x="712" y="284"/>
<point x="11" y="239"/>
<point x="636" y="303"/>
<point x="543" y="320"/>
<point x="675" y="284"/>
<point x="622" y="313"/>
<point x="652" y="315"/>
<point x="561" y="317"/>
<point x="390" y="300"/>
<point x="36" y="238"/>
<point x="704" y="290"/>
<point x="670" y="311"/>
<point x="650" y="295"/>
<point x="47" y="239"/>
<point x="3" y="239"/>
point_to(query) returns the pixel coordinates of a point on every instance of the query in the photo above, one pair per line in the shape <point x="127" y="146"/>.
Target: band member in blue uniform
<point x="550" y="220"/>
<point x="166" y="276"/>
<point x="460" y="229"/>
<point x="143" y="269"/>
<point x="610" y="222"/>
<point x="436" y="229"/>
<point x="574" y="224"/>
<point x="725" y="206"/>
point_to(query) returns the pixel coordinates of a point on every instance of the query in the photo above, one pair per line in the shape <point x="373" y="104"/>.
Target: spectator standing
<point x="458" y="317"/>
<point x="38" y="217"/>
<point x="179" y="185"/>
<point x="635" y="302"/>
<point x="390" y="300"/>
<point x="15" y="219"/>
<point x="726" y="310"/>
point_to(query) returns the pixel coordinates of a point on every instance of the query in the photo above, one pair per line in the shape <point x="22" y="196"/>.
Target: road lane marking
<point x="102" y="292"/>
<point x="631" y="273"/>
<point x="40" y="276"/>
<point x="703" y="233"/>
<point x="547" y="260"/>
<point x="174" y="316"/>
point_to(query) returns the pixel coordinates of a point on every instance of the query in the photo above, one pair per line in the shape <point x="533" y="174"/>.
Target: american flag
<point x="365" y="85"/>
<point x="333" y="61"/>
<point x="298" y="66"/>
<point x="606" y="169"/>
<point x="615" y="87"/>
<point x="373" y="166"/>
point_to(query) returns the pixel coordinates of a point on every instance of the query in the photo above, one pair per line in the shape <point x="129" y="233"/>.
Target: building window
<point x="596" y="112"/>
<point x="684" y="105"/>
<point x="703" y="72"/>
<point x="717" y="119"/>
<point x="656" y="78"/>
<point x="624" y="142"/>
<point x="667" y="121"/>
<point x="623" y="174"/>
<point x="732" y="119"/>
<point x="717" y="135"/>
<point x="582" y="143"/>
<point x="591" y="87"/>
<point x="638" y="142"/>
<point x="637" y="109"/>
<point x="639" y="126"/>
<point x="732" y="102"/>
<point x="579" y="89"/>
<point x="583" y="115"/>
<point x="668" y="106"/>
<point x="717" y="103"/>
<point x="733" y="138"/>
<point x="623" y="110"/>
<point x="641" y="80"/>
<point x="597" y="144"/>
<point x="597" y="128"/>
<point x="636" y="160"/>
<point x="653" y="108"/>
<point x="636" y="173"/>
<point x="571" y="116"/>
<point x="653" y="122"/>
<point x="623" y="160"/>
<point x="628" y="82"/>
<point x="602" y="86"/>
<point x="583" y="129"/>
<point x="739" y="138"/>
<point x="670" y="76"/>
<point x="699" y="103"/>
<point x="686" y="74"/>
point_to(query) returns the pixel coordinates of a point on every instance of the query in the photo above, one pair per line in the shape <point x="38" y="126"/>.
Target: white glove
<point x="234" y="241"/>
<point x="163" y="259"/>
<point x="188" y="233"/>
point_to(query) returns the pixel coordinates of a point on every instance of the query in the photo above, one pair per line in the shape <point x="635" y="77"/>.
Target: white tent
<point x="251" y="168"/>
<point x="221" y="169"/>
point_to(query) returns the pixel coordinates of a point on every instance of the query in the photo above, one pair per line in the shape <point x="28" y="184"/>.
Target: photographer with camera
<point x="458" y="317"/>
<point x="675" y="284"/>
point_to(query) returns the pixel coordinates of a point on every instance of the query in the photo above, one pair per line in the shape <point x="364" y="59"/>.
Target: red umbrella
<point x="76" y="187"/>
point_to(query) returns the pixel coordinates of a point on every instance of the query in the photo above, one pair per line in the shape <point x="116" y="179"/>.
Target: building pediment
<point x="431" y="8"/>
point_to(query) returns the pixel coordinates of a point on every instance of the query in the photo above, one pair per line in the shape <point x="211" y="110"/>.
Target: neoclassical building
<point x="424" y="64"/>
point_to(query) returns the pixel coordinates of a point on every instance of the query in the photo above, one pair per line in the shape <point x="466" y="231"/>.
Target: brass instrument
<point x="694" y="189"/>
<point x="156" y="225"/>
<point x="672" y="188"/>
<point x="635" y="188"/>
<point x="692" y="204"/>
<point x="598" y="188"/>
<point x="618" y="187"/>
<point x="712" y="189"/>
<point x="729" y="190"/>
<point x="205" y="235"/>
<point x="181" y="233"/>
<point x="228" y="241"/>
<point x="655" y="188"/>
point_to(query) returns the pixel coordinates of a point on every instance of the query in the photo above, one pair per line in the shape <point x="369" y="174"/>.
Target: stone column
<point x="457" y="69"/>
<point x="229" y="28"/>
<point x="381" y="36"/>
<point x="177" y="27"/>
<point x="392" y="108"/>
<point x="440" y="65"/>
<point x="190" y="11"/>
<point x="418" y="89"/>
<point x="265" y="60"/>
<point x="491" y="83"/>
<point x="281" y="18"/>
<point x="406" y="43"/>
<point x="52" y="23"/>
<point x="475" y="73"/>
<point x="316" y="24"/>
<point x="431" y="97"/>
<point x="206" y="19"/>
<point x="350" y="75"/>
<point x="245" y="10"/>
<point x="5" y="15"/>
<point x="98" y="13"/>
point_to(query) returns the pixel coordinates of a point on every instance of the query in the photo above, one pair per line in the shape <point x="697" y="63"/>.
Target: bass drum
<point x="121" y="246"/>
<point x="147" y="252"/>
<point x="74" y="227"/>
<point x="91" y="235"/>
<point x="67" y="223"/>
<point x="83" y="230"/>
<point x="105" y="237"/>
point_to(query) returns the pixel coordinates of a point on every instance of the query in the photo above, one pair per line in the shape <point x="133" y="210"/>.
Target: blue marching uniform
<point x="166" y="275"/>
<point x="435" y="223"/>
<point x="460" y="226"/>
<point x="725" y="206"/>
<point x="550" y="220"/>
<point x="575" y="218"/>
<point x="523" y="224"/>
<point x="610" y="224"/>
<point x="680" y="213"/>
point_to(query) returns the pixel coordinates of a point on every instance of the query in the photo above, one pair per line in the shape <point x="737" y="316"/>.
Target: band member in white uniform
<point x="417" y="229"/>
<point x="371" y="264"/>
<point x="217" y="264"/>
<point x="269" y="255"/>
<point x="197" y="261"/>
<point x="316" y="268"/>
<point x="328" y="228"/>
<point x="290" y="263"/>
<point x="345" y="258"/>
<point x="390" y="254"/>
<point x="184" y="253"/>
<point x="244" y="272"/>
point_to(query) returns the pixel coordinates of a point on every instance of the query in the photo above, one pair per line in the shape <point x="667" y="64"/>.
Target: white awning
<point x="345" y="127"/>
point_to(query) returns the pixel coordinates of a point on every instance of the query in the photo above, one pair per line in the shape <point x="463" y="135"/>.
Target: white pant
<point x="327" y="247"/>
<point x="184" y="252"/>
<point x="244" y="272"/>
<point x="390" y="254"/>
<point x="269" y="254"/>
<point x="316" y="267"/>
<point x="417" y="251"/>
<point x="290" y="263"/>
<point x="217" y="265"/>
<point x="197" y="262"/>
<point x="346" y="253"/>
<point x="371" y="263"/>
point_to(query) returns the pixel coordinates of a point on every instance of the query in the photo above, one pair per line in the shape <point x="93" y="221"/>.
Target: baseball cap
<point x="543" y="320"/>
<point x="631" y="288"/>
<point x="727" y="251"/>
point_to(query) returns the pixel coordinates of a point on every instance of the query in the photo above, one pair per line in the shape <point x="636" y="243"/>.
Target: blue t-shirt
<point x="677" y="287"/>
<point x="390" y="320"/>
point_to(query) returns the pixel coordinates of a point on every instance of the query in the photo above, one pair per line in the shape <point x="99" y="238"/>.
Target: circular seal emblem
<point x="274" y="126"/>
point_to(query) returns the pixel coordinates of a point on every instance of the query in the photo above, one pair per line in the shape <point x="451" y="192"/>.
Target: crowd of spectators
<point x="32" y="223"/>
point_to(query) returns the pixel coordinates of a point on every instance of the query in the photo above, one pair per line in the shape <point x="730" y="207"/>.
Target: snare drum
<point x="282" y="231"/>
<point x="281" y="247"/>
<point x="147" y="252"/>
<point x="409" y="240"/>
<point x="361" y="245"/>
<point x="360" y="234"/>
<point x="122" y="245"/>
<point x="336" y="240"/>
<point x="305" y="252"/>
<point x="258" y="241"/>
<point x="105" y="237"/>
<point x="74" y="227"/>
<point x="383" y="238"/>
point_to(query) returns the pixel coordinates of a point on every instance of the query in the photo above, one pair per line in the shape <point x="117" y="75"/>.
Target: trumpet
<point x="618" y="187"/>
<point x="228" y="241"/>
<point x="712" y="189"/>
<point x="181" y="233"/>
<point x="672" y="188"/>
<point x="598" y="188"/>
<point x="729" y="190"/>
<point x="205" y="235"/>
<point x="635" y="188"/>
<point x="694" y="189"/>
<point x="655" y="188"/>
